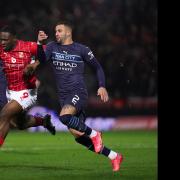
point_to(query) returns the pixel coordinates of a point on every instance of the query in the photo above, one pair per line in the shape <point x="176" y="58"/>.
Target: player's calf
<point x="74" y="122"/>
<point x="25" y="121"/>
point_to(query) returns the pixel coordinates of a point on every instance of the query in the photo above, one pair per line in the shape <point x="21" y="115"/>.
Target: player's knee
<point x="72" y="122"/>
<point x="76" y="133"/>
<point x="65" y="118"/>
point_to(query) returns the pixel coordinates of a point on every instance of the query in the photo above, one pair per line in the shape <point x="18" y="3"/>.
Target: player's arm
<point x="43" y="52"/>
<point x="93" y="62"/>
<point x="41" y="56"/>
<point x="30" y="68"/>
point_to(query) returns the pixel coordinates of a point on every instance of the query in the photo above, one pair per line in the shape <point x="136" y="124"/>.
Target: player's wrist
<point x="102" y="86"/>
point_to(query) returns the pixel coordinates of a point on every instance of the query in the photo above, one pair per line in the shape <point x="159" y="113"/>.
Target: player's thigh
<point x="68" y="109"/>
<point x="74" y="103"/>
<point x="10" y="110"/>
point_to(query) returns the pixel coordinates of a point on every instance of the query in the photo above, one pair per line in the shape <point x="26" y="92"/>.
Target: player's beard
<point x="59" y="40"/>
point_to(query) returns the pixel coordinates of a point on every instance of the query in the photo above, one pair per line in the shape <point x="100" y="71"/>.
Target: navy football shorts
<point x="77" y="98"/>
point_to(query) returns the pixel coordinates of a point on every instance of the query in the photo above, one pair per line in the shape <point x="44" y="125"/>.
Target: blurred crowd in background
<point x="121" y="33"/>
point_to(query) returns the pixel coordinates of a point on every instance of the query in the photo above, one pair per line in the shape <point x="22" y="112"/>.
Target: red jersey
<point x="14" y="62"/>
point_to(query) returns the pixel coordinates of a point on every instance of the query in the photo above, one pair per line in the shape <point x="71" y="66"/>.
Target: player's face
<point x="7" y="41"/>
<point x="61" y="33"/>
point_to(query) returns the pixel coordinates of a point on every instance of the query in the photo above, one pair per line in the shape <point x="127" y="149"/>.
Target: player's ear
<point x="69" y="33"/>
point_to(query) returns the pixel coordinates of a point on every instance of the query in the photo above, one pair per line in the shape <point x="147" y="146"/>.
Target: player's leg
<point x="45" y="121"/>
<point x="81" y="138"/>
<point x="115" y="157"/>
<point x="75" y="121"/>
<point x="9" y="111"/>
<point x="68" y="118"/>
<point x="24" y="121"/>
<point x="26" y="99"/>
<point x="72" y="105"/>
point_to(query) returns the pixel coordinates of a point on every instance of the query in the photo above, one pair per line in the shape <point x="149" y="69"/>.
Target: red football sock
<point x="1" y="141"/>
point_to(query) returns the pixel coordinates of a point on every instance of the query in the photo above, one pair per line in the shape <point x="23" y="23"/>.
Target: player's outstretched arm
<point x="41" y="56"/>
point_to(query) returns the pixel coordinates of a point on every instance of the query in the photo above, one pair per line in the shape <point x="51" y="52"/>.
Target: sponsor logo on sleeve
<point x="91" y="55"/>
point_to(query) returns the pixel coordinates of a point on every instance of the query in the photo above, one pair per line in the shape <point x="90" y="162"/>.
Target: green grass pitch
<point x="41" y="156"/>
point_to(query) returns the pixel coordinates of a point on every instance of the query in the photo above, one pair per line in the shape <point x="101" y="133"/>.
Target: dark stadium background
<point x="123" y="37"/>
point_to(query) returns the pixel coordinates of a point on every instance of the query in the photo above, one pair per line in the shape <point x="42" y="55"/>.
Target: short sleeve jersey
<point x="14" y="62"/>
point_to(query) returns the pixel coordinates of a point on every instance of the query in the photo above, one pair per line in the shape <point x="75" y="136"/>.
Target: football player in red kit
<point x="21" y="92"/>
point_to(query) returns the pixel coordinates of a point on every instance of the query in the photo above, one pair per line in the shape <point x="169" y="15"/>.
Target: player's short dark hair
<point x="8" y="29"/>
<point x="66" y="23"/>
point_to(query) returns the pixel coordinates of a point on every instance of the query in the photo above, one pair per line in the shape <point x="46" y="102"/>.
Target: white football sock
<point x="93" y="134"/>
<point x="112" y="155"/>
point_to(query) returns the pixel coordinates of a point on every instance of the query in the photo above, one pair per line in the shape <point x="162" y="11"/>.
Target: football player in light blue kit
<point x="68" y="59"/>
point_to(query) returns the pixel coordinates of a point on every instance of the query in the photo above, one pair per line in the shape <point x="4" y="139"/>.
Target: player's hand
<point x="102" y="92"/>
<point x="42" y="36"/>
<point x="29" y="70"/>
